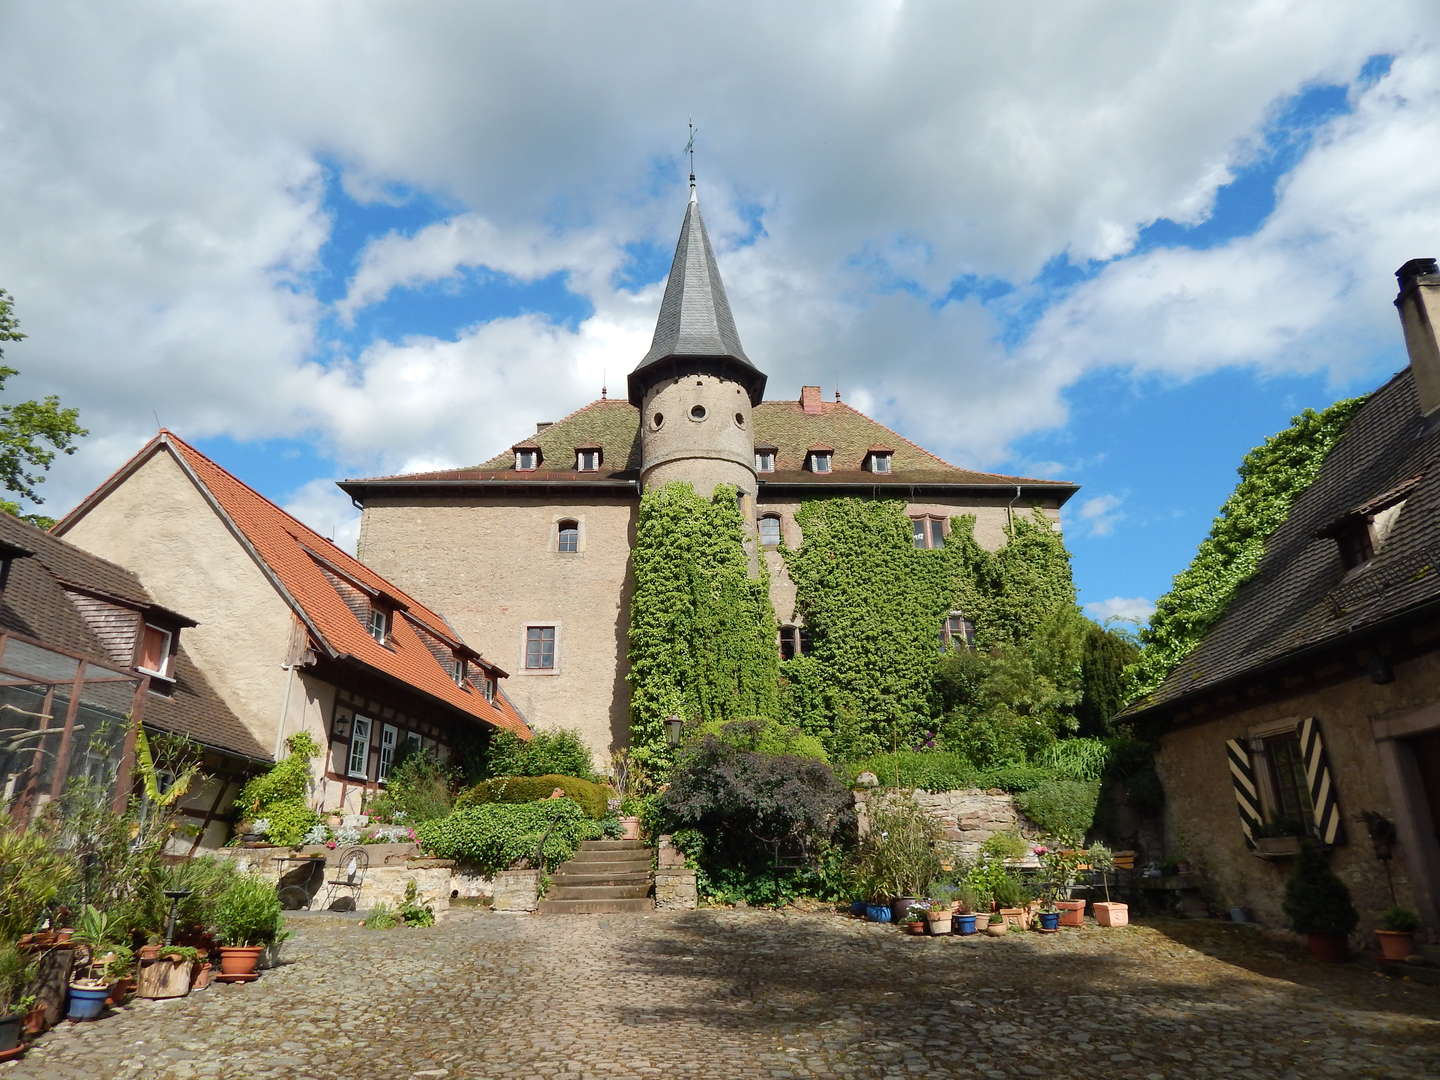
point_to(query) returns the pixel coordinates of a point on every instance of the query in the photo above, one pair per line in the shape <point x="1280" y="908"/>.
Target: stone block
<point x="668" y="855"/>
<point x="675" y="889"/>
<point x="516" y="890"/>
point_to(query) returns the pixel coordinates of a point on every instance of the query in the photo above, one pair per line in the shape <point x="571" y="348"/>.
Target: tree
<point x="1102" y="671"/>
<point x="31" y="432"/>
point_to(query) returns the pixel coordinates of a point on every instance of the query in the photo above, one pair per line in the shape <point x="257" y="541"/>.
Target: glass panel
<point x="569" y="536"/>
<point x="769" y="530"/>
<point x="20" y="741"/>
<point x="40" y="664"/>
<point x="1287" y="771"/>
<point x="918" y="525"/>
<point x="937" y="533"/>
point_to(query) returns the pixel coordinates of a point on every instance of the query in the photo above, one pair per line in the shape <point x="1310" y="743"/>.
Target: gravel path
<point x="759" y="994"/>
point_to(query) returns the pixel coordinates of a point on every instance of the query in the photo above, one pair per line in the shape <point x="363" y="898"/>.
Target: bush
<point x="762" y="736"/>
<point x="495" y="836"/>
<point x="1316" y="901"/>
<point x="287" y="822"/>
<point x="248" y="912"/>
<point x="593" y="798"/>
<point x="1014" y="778"/>
<point x="279" y="795"/>
<point x="206" y="878"/>
<point x="1064" y="809"/>
<point x="1399" y="920"/>
<point x="897" y="855"/>
<point x="548" y="753"/>
<point x="930" y="770"/>
<point x="417" y="789"/>
<point x="33" y="876"/>
<point x="1075" y="759"/>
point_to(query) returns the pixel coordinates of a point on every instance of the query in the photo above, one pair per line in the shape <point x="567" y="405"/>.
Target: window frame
<point x="563" y="526"/>
<point x="487" y="687"/>
<point x="554" y="642"/>
<point x="1262" y="762"/>
<point x="521" y="456"/>
<point x="966" y="632"/>
<point x="817" y="457"/>
<point x="384" y="764"/>
<point x="356" y="719"/>
<point x="931" y="528"/>
<point x="379" y="630"/>
<point x="760" y="530"/>
<point x="583" y="456"/>
<point x="879" y="458"/>
<point x="460" y="671"/>
<point x="764" y="461"/>
<point x="166" y="653"/>
<point x="1357" y="543"/>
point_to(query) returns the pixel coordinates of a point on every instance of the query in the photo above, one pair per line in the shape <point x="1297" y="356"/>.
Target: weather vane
<point x="690" y="149"/>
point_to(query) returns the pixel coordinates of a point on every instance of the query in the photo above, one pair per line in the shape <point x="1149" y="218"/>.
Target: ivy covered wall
<point x="702" y="632"/>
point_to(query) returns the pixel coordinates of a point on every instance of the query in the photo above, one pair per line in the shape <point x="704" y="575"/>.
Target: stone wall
<point x="968" y="818"/>
<point x="392" y="866"/>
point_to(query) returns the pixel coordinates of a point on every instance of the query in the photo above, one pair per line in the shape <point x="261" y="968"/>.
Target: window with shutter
<point x="359" y="764"/>
<point x="155" y="651"/>
<point x="389" y="737"/>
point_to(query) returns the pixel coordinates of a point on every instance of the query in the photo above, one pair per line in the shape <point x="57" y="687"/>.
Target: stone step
<point x="607" y="866"/>
<point x="614" y="845"/>
<point x="567" y="876"/>
<point x="642" y="854"/>
<point x="595" y="907"/>
<point x="599" y="892"/>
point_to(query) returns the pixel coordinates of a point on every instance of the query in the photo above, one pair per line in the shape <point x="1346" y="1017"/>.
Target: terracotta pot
<point x="1072" y="912"/>
<point x="34" y="1022"/>
<point x="1332" y="948"/>
<point x="148" y="952"/>
<point x="120" y="991"/>
<point x="203" y="972"/>
<point x="239" y="959"/>
<point x="1395" y="944"/>
<point x="939" y="926"/>
<point x="917" y="928"/>
<point x="64" y="935"/>
<point x="997" y="929"/>
<point x="333" y="821"/>
<point x="1111" y="913"/>
<point x="1015" y="916"/>
<point x="631" y="827"/>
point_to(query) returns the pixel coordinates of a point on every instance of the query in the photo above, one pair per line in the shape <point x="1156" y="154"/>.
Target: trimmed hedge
<point x="1065" y="809"/>
<point x="594" y="799"/>
<point x="932" y="770"/>
<point x="496" y="836"/>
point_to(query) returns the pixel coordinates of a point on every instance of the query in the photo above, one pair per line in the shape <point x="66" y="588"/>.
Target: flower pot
<point x="1332" y="948"/>
<point x="1049" y="920"/>
<point x="1014" y="916"/>
<point x="857" y="908"/>
<point x="900" y="907"/>
<point x="916" y="928"/>
<point x="64" y="935"/>
<point x="333" y="820"/>
<point x="939" y="926"/>
<point x="203" y="973"/>
<point x="34" y="1022"/>
<point x="878" y="912"/>
<point x="120" y="991"/>
<point x="1111" y="913"/>
<point x="10" y="1031"/>
<point x="1395" y="944"/>
<point x="238" y="962"/>
<point x="165" y="977"/>
<point x="87" y="1002"/>
<point x="1072" y="912"/>
<point x="997" y="929"/>
<point x="630" y="827"/>
<point x="963" y="924"/>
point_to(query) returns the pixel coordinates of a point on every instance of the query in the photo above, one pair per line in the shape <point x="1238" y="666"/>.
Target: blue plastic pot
<point x="87" y="1004"/>
<point x="1049" y="920"/>
<point x="877" y="912"/>
<point x="857" y="908"/>
<point x="964" y="924"/>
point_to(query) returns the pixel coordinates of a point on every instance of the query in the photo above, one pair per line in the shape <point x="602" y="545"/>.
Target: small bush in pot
<point x="1318" y="905"/>
<point x="1107" y="912"/>
<point x="16" y="972"/>
<point x="1397" y="932"/>
<point x="247" y="919"/>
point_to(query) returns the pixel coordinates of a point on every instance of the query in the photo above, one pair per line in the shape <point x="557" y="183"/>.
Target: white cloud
<point x="327" y="510"/>
<point x="1100" y="514"/>
<point x="1136" y="609"/>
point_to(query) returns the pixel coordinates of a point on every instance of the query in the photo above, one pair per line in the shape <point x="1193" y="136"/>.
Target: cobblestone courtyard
<point x="759" y="994"/>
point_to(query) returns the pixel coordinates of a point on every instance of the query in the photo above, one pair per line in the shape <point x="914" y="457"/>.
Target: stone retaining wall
<point x="968" y="818"/>
<point x="391" y="867"/>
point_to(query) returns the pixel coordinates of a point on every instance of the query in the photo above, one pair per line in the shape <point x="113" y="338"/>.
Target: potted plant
<point x="16" y="971"/>
<point x="1397" y="933"/>
<point x="166" y="971"/>
<point x="940" y="911"/>
<point x="1010" y="898"/>
<point x="1318" y="905"/>
<point x="1062" y="870"/>
<point x="968" y="901"/>
<point x="247" y="918"/>
<point x="105" y="964"/>
<point x="997" y="926"/>
<point x="1107" y="912"/>
<point x="915" y="919"/>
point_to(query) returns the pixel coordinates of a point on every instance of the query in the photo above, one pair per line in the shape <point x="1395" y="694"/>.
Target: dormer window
<point x="379" y="624"/>
<point x="765" y="460"/>
<point x="460" y="671"/>
<point x="1359" y="532"/>
<point x="1357" y="543"/>
<point x="820" y="461"/>
<point x="527" y="460"/>
<point x="487" y="687"/>
<point x="587" y="459"/>
<point x="154" y="658"/>
<point x="878" y="461"/>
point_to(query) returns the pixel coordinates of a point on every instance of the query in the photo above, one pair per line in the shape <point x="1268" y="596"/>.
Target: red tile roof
<point x="289" y="550"/>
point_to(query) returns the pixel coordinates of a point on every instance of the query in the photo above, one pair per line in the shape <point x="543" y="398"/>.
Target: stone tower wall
<point x="716" y="449"/>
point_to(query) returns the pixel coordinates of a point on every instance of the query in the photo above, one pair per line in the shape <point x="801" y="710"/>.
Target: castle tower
<point x="695" y="388"/>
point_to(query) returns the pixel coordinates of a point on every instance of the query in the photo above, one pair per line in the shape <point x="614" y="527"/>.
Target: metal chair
<point x="350" y="876"/>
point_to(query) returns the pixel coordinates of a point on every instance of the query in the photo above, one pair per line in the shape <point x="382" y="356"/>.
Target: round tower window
<point x="739" y="419"/>
<point x="657" y="421"/>
<point x="697" y="412"/>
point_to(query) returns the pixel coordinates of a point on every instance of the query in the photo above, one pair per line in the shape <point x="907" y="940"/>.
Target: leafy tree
<point x="31" y="432"/>
<point x="546" y="753"/>
<point x="1107" y="652"/>
<point x="1271" y="476"/>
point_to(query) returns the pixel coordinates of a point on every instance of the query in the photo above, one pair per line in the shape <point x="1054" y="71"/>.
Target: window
<point x="794" y="641"/>
<point x="879" y="461"/>
<point x="739" y="420"/>
<point x="412" y="742"/>
<point x="929" y="531"/>
<point x="764" y="460"/>
<point x="358" y="764"/>
<point x="487" y="687"/>
<point x="1357" y="543"/>
<point x="540" y="647"/>
<point x="1286" y="772"/>
<point x="461" y="671"/>
<point x="770" y="530"/>
<point x="820" y="461"/>
<point x="657" y="421"/>
<point x="527" y="459"/>
<point x="389" y="736"/>
<point x="155" y="651"/>
<point x="698" y="413"/>
<point x="569" y="541"/>
<point x="587" y="460"/>
<point x="379" y="625"/>
<point x="957" y="632"/>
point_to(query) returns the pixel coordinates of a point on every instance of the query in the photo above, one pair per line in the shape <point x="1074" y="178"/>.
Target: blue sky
<point x="343" y="241"/>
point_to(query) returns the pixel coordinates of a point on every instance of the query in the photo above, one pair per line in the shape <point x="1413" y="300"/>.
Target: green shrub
<point x="1004" y="845"/>
<point x="897" y="855"/>
<point x="1400" y="920"/>
<point x="1075" y="759"/>
<point x="762" y="736"/>
<point x="248" y="912"/>
<point x="278" y="796"/>
<point x="593" y="798"/>
<point x="930" y="770"/>
<point x="205" y="878"/>
<point x="412" y="911"/>
<point x="33" y="876"/>
<point x="417" y="789"/>
<point x="496" y="836"/>
<point x="1014" y="778"/>
<point x="548" y="753"/>
<point x="382" y="917"/>
<point x="1316" y="901"/>
<point x="1064" y="809"/>
<point x="287" y="821"/>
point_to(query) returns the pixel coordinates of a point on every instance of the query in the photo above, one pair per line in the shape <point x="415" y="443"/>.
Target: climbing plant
<point x="1271" y="476"/>
<point x="702" y="632"/>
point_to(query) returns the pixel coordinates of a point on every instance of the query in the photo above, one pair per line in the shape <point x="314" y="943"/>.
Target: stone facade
<point x="968" y="818"/>
<point x="703" y="436"/>
<point x="516" y="890"/>
<point x="392" y="867"/>
<point x="675" y="889"/>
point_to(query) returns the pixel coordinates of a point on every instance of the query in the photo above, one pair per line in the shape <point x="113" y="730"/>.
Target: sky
<point x="1112" y="243"/>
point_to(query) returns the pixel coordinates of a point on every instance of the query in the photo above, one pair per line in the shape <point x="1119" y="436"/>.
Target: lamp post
<point x="175" y="895"/>
<point x="673" y="726"/>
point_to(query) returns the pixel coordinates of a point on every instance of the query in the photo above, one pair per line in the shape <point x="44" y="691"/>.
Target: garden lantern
<point x="673" y="726"/>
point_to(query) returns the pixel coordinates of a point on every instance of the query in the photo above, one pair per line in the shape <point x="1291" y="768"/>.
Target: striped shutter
<point x="1247" y="795"/>
<point x="1329" y="827"/>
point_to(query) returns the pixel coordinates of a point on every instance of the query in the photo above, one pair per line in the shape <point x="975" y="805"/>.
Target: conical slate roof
<point x="695" y="322"/>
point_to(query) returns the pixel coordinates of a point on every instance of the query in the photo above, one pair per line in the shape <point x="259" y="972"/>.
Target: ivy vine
<point x="1271" y="476"/>
<point x="702" y="632"/>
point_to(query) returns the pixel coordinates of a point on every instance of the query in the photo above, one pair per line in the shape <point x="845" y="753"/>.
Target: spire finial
<point x="690" y="149"/>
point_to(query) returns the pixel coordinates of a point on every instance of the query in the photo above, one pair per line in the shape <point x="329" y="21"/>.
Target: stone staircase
<point x="605" y="877"/>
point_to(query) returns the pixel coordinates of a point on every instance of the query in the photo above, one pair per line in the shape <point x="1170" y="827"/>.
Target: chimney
<point x="810" y="399"/>
<point x="1419" y="306"/>
<point x="541" y="425"/>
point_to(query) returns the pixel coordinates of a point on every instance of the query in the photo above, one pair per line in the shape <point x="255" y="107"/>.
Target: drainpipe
<point x="1010" y="509"/>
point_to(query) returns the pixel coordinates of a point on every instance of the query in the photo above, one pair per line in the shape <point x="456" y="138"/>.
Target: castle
<point x="529" y="553"/>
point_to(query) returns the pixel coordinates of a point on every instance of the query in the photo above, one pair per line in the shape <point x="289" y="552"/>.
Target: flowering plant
<point x="1062" y="870"/>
